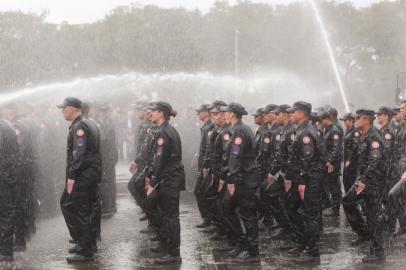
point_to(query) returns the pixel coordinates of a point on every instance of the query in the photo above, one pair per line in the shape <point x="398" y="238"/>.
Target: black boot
<point x="169" y="259"/>
<point x="237" y="250"/>
<point x="246" y="257"/>
<point x="203" y="225"/>
<point x="360" y="240"/>
<point x="77" y="258"/>
<point x="6" y="258"/>
<point x="374" y="258"/>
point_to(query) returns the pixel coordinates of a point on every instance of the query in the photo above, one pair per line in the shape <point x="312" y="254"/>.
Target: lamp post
<point x="399" y="94"/>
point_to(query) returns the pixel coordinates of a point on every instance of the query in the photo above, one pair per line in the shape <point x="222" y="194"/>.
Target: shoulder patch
<point x="238" y="140"/>
<point x="226" y="137"/>
<point x="375" y="145"/>
<point x="388" y="136"/>
<point x="160" y="141"/>
<point x="80" y="132"/>
<point x="267" y="140"/>
<point x="306" y="139"/>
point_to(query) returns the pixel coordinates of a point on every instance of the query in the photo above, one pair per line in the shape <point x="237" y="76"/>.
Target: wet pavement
<point x="123" y="247"/>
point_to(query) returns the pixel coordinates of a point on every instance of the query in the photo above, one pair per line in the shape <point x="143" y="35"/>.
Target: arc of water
<point x="331" y="54"/>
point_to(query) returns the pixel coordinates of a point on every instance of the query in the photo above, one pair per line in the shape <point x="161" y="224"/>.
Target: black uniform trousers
<point x="244" y="199"/>
<point x="7" y="215"/>
<point x="277" y="202"/>
<point x="373" y="226"/>
<point x="108" y="189"/>
<point x="78" y="211"/>
<point x="305" y="215"/>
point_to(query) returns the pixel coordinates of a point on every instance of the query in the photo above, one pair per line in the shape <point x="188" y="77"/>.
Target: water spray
<point x="331" y="54"/>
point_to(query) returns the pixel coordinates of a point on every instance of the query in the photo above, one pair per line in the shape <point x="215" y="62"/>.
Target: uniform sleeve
<point x="79" y="150"/>
<point x="225" y="156"/>
<point x="235" y="156"/>
<point x="354" y="144"/>
<point x="307" y="152"/>
<point x="335" y="150"/>
<point x="161" y="155"/>
<point x="274" y="161"/>
<point x="202" y="148"/>
<point x="208" y="149"/>
<point x="374" y="161"/>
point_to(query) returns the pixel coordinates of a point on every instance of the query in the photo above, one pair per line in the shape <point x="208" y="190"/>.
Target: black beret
<point x="365" y="112"/>
<point x="234" y="107"/>
<point x="284" y="108"/>
<point x="347" y="116"/>
<point x="217" y="103"/>
<point x="71" y="101"/>
<point x="270" y="108"/>
<point x="259" y="112"/>
<point x="301" y="106"/>
<point x="162" y="106"/>
<point x="386" y="110"/>
<point x="203" y="108"/>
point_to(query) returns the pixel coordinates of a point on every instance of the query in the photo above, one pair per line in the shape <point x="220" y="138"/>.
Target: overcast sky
<point x="83" y="11"/>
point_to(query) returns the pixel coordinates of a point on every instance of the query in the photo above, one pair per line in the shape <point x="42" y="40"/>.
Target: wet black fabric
<point x="203" y="182"/>
<point x="306" y="168"/>
<point x="333" y="145"/>
<point x="109" y="153"/>
<point x="351" y="140"/>
<point x="81" y="208"/>
<point x="7" y="216"/>
<point x="78" y="210"/>
<point x="26" y="199"/>
<point x="8" y="155"/>
<point x="168" y="176"/>
<point x="372" y="227"/>
<point x="371" y="171"/>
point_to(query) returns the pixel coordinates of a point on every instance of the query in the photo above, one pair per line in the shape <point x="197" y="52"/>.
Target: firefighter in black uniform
<point x="136" y="185"/>
<point x="203" y="177"/>
<point x="351" y="138"/>
<point x="279" y="149"/>
<point x="332" y="139"/>
<point x="8" y="155"/>
<point x="26" y="200"/>
<point x="262" y="159"/>
<point x="242" y="182"/>
<point x="83" y="174"/>
<point x="369" y="187"/>
<point x="213" y="162"/>
<point x="397" y="195"/>
<point x="388" y="132"/>
<point x="166" y="176"/>
<point x="304" y="181"/>
<point x="110" y="159"/>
